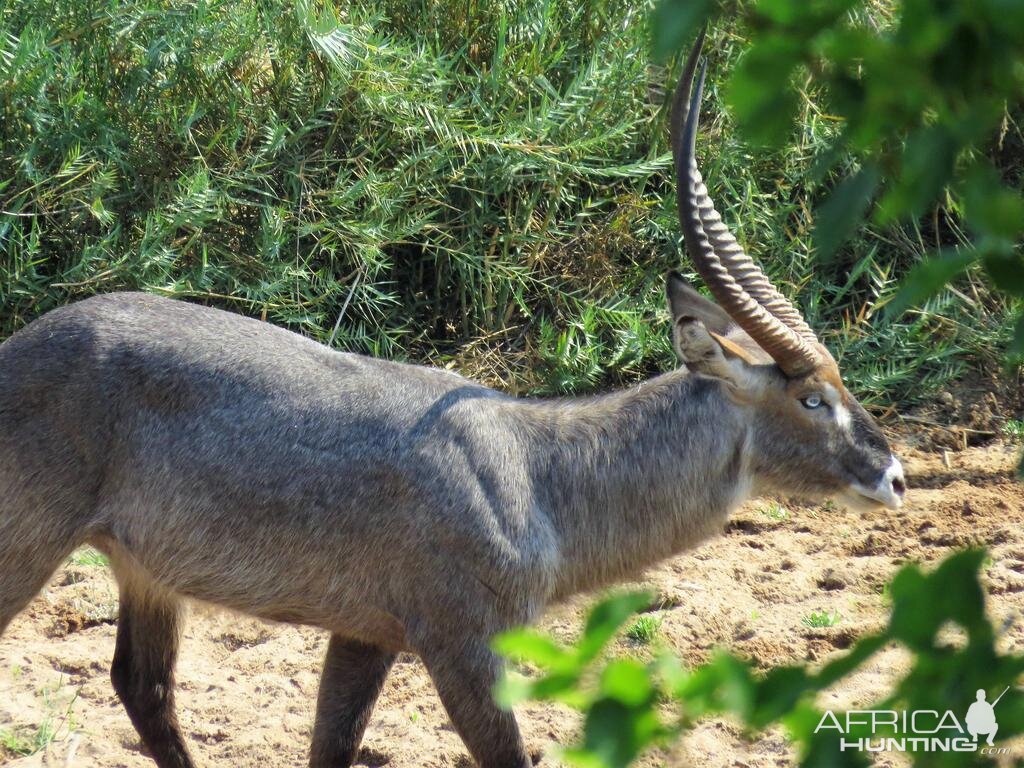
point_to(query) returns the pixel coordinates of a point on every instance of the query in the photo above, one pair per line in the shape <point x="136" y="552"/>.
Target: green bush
<point x="485" y="186"/>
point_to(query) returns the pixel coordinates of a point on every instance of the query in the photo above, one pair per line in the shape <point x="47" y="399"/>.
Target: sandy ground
<point x="247" y="689"/>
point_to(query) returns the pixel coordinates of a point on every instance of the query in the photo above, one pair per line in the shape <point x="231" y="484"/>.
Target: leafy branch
<point x="623" y="701"/>
<point x="924" y="92"/>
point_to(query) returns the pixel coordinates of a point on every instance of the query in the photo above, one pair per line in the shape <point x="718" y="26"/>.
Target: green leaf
<point x="667" y="668"/>
<point x="844" y="210"/>
<point x="806" y="17"/>
<point x="1016" y="349"/>
<point x="530" y="646"/>
<point x="992" y="209"/>
<point x="923" y="603"/>
<point x="512" y="689"/>
<point x="606" y="618"/>
<point x="628" y="681"/>
<point x="580" y="758"/>
<point x="1006" y="270"/>
<point x="801" y="721"/>
<point x="618" y="733"/>
<point x="723" y="684"/>
<point x="777" y="693"/>
<point x="562" y="686"/>
<point x="928" y="278"/>
<point x="825" y="751"/>
<point x="760" y="92"/>
<point x="844" y="665"/>
<point x="1003" y="214"/>
<point x="927" y="165"/>
<point x="674" y="24"/>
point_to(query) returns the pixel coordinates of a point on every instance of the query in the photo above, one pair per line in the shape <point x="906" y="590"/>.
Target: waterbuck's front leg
<point x="464" y="670"/>
<point x="352" y="678"/>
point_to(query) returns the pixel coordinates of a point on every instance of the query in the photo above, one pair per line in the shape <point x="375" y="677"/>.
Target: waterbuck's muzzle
<point x="890" y="488"/>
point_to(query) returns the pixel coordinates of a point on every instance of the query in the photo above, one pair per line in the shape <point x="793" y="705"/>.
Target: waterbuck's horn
<point x="736" y="281"/>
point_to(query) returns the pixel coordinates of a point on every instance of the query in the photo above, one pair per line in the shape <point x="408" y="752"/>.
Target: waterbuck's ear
<point x="684" y="301"/>
<point x="687" y="305"/>
<point x="698" y="334"/>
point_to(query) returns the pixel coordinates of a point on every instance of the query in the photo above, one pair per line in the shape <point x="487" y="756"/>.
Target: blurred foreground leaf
<point x="626" y="713"/>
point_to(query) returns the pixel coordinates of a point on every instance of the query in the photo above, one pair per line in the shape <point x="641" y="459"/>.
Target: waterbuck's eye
<point x="811" y="401"/>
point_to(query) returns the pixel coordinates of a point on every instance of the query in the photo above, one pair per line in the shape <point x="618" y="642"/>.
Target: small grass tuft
<point x="644" y="629"/>
<point x="59" y="720"/>
<point x="822" y="619"/>
<point x="1013" y="430"/>
<point x="26" y="741"/>
<point x="17" y="741"/>
<point x="87" y="556"/>
<point x="775" y="511"/>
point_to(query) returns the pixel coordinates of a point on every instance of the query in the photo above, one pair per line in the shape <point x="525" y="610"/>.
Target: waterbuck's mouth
<point x="889" y="491"/>
<point x="858" y="501"/>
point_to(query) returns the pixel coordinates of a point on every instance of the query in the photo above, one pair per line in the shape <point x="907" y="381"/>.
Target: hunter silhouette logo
<point x="981" y="717"/>
<point x="922" y="730"/>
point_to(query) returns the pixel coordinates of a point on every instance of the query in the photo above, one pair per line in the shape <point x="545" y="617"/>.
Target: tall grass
<point x="484" y="186"/>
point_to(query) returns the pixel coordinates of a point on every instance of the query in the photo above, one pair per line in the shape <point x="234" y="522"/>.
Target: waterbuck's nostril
<point x="893" y="487"/>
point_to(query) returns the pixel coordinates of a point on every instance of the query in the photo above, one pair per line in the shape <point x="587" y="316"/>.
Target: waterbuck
<point x="399" y="507"/>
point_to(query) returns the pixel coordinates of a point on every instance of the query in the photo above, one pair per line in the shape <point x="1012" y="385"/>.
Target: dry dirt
<point x="246" y="690"/>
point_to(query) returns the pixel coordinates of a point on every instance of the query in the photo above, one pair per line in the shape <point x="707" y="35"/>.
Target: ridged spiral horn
<point x="738" y="284"/>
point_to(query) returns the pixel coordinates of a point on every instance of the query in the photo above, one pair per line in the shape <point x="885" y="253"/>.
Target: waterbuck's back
<point x="242" y="464"/>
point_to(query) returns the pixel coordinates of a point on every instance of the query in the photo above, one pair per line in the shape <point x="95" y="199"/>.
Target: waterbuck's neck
<point x="637" y="476"/>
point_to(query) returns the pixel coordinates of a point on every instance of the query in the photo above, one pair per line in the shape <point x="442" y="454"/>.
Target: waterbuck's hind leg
<point x="142" y="672"/>
<point x="25" y="567"/>
<point x="37" y="533"/>
<point x="353" y="676"/>
<point x="464" y="671"/>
